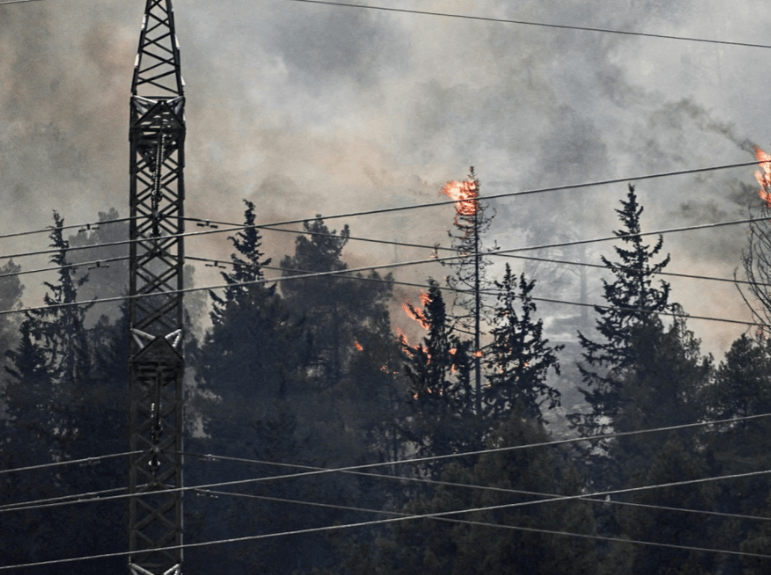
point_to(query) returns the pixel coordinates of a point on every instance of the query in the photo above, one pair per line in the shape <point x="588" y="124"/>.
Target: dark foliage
<point x="519" y="357"/>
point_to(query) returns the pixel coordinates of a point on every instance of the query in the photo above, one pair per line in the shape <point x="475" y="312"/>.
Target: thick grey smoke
<point x="308" y="109"/>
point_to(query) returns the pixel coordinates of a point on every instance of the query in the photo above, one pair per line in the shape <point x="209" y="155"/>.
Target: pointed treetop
<point x="157" y="72"/>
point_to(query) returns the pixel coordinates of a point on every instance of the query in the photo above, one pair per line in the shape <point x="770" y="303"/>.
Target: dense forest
<point x="662" y="469"/>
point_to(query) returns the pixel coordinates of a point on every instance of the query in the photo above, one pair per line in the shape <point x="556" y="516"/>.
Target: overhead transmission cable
<point x="412" y="461"/>
<point x="356" y="270"/>
<point x="493" y="292"/>
<point x="537" y="24"/>
<point x="90" y="264"/>
<point x="237" y="227"/>
<point x="88" y="226"/>
<point x="268" y="226"/>
<point x="440" y="515"/>
<point x="438" y="248"/>
<point x="88" y="497"/>
<point x="426" y="481"/>
<point x="561" y="188"/>
<point x="388" y="210"/>
<point x="83" y="461"/>
<point x="419" y="262"/>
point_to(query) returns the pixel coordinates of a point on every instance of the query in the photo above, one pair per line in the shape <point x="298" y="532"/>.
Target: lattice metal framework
<point x="156" y="366"/>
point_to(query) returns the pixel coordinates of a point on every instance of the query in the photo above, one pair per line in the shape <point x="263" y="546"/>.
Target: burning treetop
<point x="764" y="177"/>
<point x="465" y="196"/>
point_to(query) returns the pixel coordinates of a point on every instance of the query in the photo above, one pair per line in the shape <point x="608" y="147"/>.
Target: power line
<point x="538" y="24"/>
<point x="503" y="195"/>
<point x="326" y="471"/>
<point x="83" y="461"/>
<point x="437" y="515"/>
<point x="496" y="292"/>
<point x="50" y="501"/>
<point x="438" y="248"/>
<point x="95" y="263"/>
<point x="84" y="227"/>
<point x="236" y="227"/>
<point x="421" y="262"/>
<point x="18" y="1"/>
<point x="589" y="498"/>
<point x="356" y="270"/>
<point x="208" y="222"/>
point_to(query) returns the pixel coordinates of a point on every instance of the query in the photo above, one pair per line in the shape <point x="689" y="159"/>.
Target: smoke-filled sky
<point x="313" y="109"/>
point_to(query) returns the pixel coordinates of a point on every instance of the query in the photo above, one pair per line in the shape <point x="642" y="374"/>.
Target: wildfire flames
<point x="464" y="194"/>
<point x="764" y="177"/>
<point x="415" y="313"/>
<point x="402" y="337"/>
<point x="358" y="346"/>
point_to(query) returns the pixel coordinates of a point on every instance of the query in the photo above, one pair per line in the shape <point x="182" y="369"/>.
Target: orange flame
<point x="764" y="177"/>
<point x="464" y="194"/>
<point x="358" y="346"/>
<point x="415" y="313"/>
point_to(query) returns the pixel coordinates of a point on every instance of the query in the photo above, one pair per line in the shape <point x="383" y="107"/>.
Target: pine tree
<point x="438" y="370"/>
<point x="469" y="310"/>
<point x="741" y="387"/>
<point x="247" y="265"/>
<point x="54" y="355"/>
<point x="632" y="301"/>
<point x="664" y="388"/>
<point x="519" y="357"/>
<point x="65" y="402"/>
<point x="337" y="310"/>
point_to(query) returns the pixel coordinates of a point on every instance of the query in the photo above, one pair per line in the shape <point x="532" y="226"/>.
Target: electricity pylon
<point x="156" y="366"/>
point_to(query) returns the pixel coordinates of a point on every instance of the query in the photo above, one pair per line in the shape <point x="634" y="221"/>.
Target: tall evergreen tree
<point x="632" y="301"/>
<point x="651" y="521"/>
<point x="519" y="357"/>
<point x="247" y="266"/>
<point x="54" y="353"/>
<point x="663" y="389"/>
<point x="341" y="314"/>
<point x="255" y="351"/>
<point x="469" y="310"/>
<point x="438" y="370"/>
<point x="740" y="388"/>
<point x="65" y="401"/>
<point x="321" y="300"/>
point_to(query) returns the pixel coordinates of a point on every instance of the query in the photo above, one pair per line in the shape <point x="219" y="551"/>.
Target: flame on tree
<point x="469" y="224"/>
<point x="756" y="259"/>
<point x="438" y="373"/>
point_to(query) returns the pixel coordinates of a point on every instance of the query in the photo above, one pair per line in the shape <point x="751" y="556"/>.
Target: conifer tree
<point x="469" y="310"/>
<point x="337" y="309"/>
<point x="54" y="355"/>
<point x="438" y="371"/>
<point x="255" y="349"/>
<point x="247" y="265"/>
<point x="632" y="299"/>
<point x="519" y="357"/>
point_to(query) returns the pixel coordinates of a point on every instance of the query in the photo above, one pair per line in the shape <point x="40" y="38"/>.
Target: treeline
<point x="304" y="375"/>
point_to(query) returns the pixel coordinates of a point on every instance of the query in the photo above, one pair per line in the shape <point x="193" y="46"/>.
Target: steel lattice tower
<point x="157" y="135"/>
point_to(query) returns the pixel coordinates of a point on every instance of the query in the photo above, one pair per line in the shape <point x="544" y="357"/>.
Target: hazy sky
<point x="312" y="109"/>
